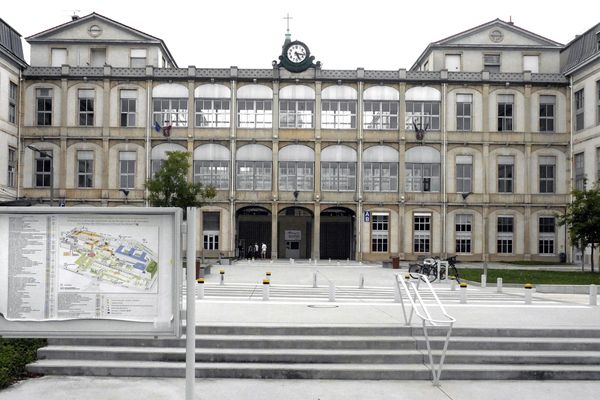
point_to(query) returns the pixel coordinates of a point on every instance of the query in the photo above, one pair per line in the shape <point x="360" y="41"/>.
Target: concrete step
<point x="315" y="371"/>
<point x="514" y="344"/>
<point x="304" y="356"/>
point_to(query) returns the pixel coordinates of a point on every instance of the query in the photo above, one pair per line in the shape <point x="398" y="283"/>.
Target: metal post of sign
<point x="190" y="315"/>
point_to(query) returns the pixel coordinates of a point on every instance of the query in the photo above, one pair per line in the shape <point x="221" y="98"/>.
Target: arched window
<point x="211" y="165"/>
<point x="380" y="169"/>
<point x="422" y="169"/>
<point x="423" y="108"/>
<point x="212" y="102"/>
<point x="159" y="154"/>
<point x="338" y="169"/>
<point x="296" y="168"/>
<point x="338" y="107"/>
<point x="255" y="107"/>
<point x="254" y="165"/>
<point x="296" y="107"/>
<point x="381" y="108"/>
<point x="170" y="105"/>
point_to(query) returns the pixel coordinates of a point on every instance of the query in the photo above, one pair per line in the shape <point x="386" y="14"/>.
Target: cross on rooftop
<point x="288" y="21"/>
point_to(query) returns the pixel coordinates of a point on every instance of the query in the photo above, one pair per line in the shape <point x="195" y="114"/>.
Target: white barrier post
<point x="397" y="294"/>
<point x="331" y="291"/>
<point x="190" y="312"/>
<point x="453" y="285"/>
<point x="361" y="281"/>
<point x="200" y="288"/>
<point x="484" y="281"/>
<point x="499" y="285"/>
<point x="593" y="295"/>
<point x="463" y="293"/>
<point x="314" y="279"/>
<point x="528" y="289"/>
<point x="222" y="272"/>
<point x="266" y="289"/>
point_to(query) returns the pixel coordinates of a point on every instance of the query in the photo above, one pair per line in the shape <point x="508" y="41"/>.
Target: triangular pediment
<point x="497" y="33"/>
<point x="92" y="27"/>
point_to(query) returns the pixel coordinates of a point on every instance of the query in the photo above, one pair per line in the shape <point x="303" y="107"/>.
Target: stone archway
<point x="295" y="227"/>
<point x="337" y="238"/>
<point x="253" y="226"/>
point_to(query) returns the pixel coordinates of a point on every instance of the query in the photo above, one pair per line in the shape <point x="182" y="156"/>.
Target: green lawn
<point x="535" y="277"/>
<point x="15" y="354"/>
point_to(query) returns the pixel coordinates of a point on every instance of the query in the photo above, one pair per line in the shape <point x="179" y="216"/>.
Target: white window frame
<point x="212" y="113"/>
<point x="259" y="116"/>
<point x="338" y="114"/>
<point x="505" y="240"/>
<point x="13" y="93"/>
<point x="380" y="223"/>
<point x="506" y="103"/>
<point x="296" y="113"/>
<point x="86" y="100"/>
<point x="579" y="106"/>
<point x="380" y="114"/>
<point x="380" y="176"/>
<point x="579" y="167"/>
<point x="85" y="169"/>
<point x="212" y="172"/>
<point x="138" y="58"/>
<point x="423" y="114"/>
<point x="421" y="236"/>
<point x="127" y="164"/>
<point x="547" y="184"/>
<point x="463" y="225"/>
<point x="547" y="117"/>
<point x="464" y="102"/>
<point x="296" y="175"/>
<point x="11" y="173"/>
<point x="546" y="239"/>
<point x="338" y="176"/>
<point x="43" y="106"/>
<point x="506" y="181"/>
<point x="170" y="111"/>
<point x="253" y="175"/>
<point x="45" y="173"/>
<point x="128" y="107"/>
<point x="464" y="182"/>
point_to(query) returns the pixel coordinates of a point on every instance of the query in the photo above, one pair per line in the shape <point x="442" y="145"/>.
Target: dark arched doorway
<point x="337" y="240"/>
<point x="253" y="227"/>
<point x="294" y="231"/>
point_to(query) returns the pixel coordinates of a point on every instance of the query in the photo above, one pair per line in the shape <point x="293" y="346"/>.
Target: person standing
<point x="263" y="251"/>
<point x="256" y="250"/>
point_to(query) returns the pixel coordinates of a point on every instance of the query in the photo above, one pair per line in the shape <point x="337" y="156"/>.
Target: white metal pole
<point x="593" y="295"/>
<point x="190" y="317"/>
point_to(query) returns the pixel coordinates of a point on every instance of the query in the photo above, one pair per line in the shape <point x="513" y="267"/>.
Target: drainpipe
<point x="443" y="168"/>
<point x="148" y="136"/>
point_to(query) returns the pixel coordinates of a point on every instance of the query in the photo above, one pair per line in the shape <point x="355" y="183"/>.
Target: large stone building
<point x="468" y="152"/>
<point x="11" y="65"/>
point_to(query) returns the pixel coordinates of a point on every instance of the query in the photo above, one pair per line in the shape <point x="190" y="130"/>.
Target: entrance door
<point x="337" y="234"/>
<point x="253" y="227"/>
<point x="295" y="232"/>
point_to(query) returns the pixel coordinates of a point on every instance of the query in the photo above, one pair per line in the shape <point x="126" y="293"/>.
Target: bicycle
<point x="430" y="267"/>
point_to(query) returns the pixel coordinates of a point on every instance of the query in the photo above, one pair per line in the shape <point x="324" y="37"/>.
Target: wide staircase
<point x="335" y="352"/>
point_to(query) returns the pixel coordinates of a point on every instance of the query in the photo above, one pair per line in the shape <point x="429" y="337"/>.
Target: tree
<point x="170" y="187"/>
<point x="582" y="219"/>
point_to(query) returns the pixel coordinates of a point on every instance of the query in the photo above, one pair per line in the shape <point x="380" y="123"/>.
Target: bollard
<point x="266" y="289"/>
<point x="361" y="281"/>
<point x="314" y="279"/>
<point x="291" y="260"/>
<point x="463" y="293"/>
<point x="593" y="295"/>
<point x="453" y="285"/>
<point x="200" y="288"/>
<point x="499" y="285"/>
<point x="315" y="261"/>
<point x="528" y="289"/>
<point x="222" y="272"/>
<point x="268" y="273"/>
<point x="337" y="263"/>
<point x="271" y="262"/>
<point x="331" y="291"/>
<point x="397" y="294"/>
<point x="330" y="261"/>
<point x="484" y="281"/>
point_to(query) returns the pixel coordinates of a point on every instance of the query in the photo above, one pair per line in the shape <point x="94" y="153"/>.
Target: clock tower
<point x="295" y="55"/>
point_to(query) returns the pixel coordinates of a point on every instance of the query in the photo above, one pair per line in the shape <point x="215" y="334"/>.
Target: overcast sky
<point x="342" y="34"/>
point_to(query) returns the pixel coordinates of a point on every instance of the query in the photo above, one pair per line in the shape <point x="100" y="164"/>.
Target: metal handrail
<point x="419" y="307"/>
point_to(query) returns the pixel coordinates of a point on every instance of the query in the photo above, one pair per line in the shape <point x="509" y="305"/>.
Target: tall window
<point x="85" y="169"/>
<point x="380" y="176"/>
<point x="422" y="177"/>
<point x="212" y="172"/>
<point x="254" y="175"/>
<point x="491" y="62"/>
<point x="255" y="114"/>
<point x="579" y="171"/>
<point x="505" y="112"/>
<point x="296" y="175"/>
<point x="58" y="57"/>
<point x="210" y="227"/>
<point x="296" y="113"/>
<point x="547" y="174"/>
<point x="338" y="176"/>
<point x="506" y="166"/>
<point x="379" y="234"/>
<point x="464" y="109"/>
<point x="464" y="229"/>
<point x="338" y="114"/>
<point x="43" y="106"/>
<point x="598" y="167"/>
<point x="137" y="58"/>
<point x="505" y="235"/>
<point x="531" y="63"/>
<point x="546" y="235"/>
<point x="380" y="114"/>
<point x="43" y="168"/>
<point x="86" y="107"/>
<point x="547" y="109"/>
<point x="422" y="233"/>
<point x="579" y="114"/>
<point x="425" y="114"/>
<point x="127" y="169"/>
<point x="598" y="102"/>
<point x="128" y="107"/>
<point x="452" y="62"/>
<point x="12" y="103"/>
<point x="212" y="113"/>
<point x="171" y="112"/>
<point x="11" y="179"/>
<point x="156" y="166"/>
<point x="464" y="174"/>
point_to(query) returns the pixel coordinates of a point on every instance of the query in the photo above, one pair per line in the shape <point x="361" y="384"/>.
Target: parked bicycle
<point x="429" y="268"/>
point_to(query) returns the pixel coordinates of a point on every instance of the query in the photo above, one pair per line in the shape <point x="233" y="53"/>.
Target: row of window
<point x="463" y="234"/>
<point x="579" y="106"/>
<point x="258" y="113"/>
<point x="138" y="58"/>
<point x="299" y="175"/>
<point x="491" y="62"/>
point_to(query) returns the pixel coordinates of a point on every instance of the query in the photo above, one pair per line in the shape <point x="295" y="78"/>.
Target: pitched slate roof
<point x="581" y="49"/>
<point x="10" y="43"/>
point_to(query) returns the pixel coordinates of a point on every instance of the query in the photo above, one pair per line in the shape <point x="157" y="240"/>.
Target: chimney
<point x="74" y="17"/>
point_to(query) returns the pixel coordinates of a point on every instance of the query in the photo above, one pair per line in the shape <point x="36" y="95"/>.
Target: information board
<point x="98" y="271"/>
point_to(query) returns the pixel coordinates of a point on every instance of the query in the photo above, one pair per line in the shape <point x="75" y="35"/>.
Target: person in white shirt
<point x="263" y="251"/>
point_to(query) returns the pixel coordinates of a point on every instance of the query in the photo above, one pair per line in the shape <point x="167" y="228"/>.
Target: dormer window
<point x="138" y="58"/>
<point x="491" y="62"/>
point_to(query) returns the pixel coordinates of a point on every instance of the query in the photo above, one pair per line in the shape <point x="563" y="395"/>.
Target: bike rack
<point x="419" y="307"/>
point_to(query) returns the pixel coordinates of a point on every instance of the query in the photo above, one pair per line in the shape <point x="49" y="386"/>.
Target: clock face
<point x="296" y="53"/>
